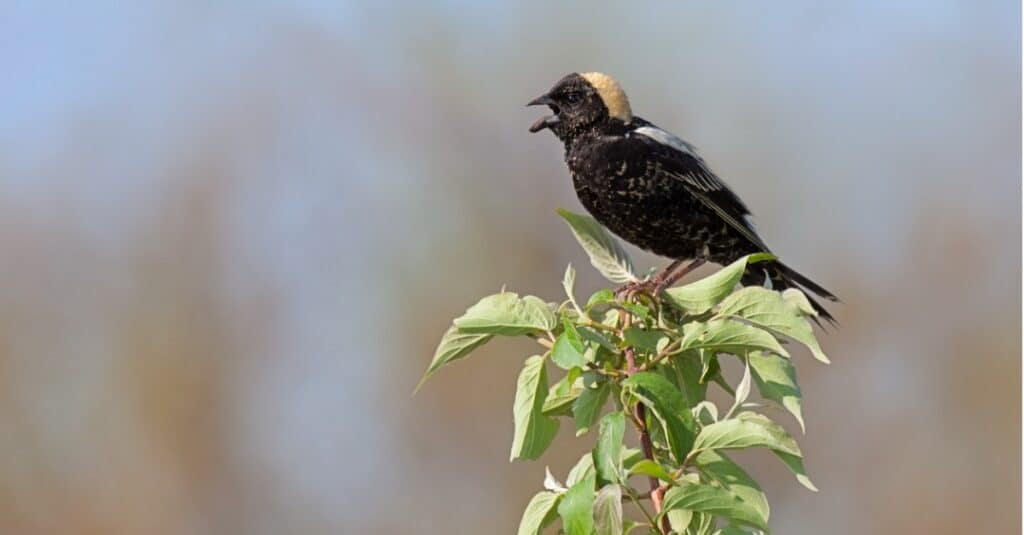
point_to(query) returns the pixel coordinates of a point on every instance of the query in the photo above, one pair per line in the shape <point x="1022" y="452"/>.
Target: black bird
<point x="652" y="188"/>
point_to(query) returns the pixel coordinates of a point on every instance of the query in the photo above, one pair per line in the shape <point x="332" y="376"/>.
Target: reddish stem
<point x="645" y="440"/>
<point x="630" y="361"/>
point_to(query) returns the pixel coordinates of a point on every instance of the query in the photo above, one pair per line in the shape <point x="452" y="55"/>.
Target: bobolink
<point x="652" y="189"/>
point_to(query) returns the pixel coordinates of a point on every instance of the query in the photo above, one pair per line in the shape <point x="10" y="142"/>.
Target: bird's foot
<point x="629" y="289"/>
<point x="661" y="284"/>
<point x="670" y="277"/>
<point x="658" y="283"/>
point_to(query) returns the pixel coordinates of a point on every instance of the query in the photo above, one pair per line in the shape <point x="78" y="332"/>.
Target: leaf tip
<point x="757" y="258"/>
<point x="420" y="384"/>
<point x="423" y="380"/>
<point x="806" y="482"/>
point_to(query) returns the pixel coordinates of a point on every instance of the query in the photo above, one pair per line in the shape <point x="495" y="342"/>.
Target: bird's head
<point x="578" y="101"/>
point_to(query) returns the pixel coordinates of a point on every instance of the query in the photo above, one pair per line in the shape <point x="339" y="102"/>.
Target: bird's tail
<point x="782" y="277"/>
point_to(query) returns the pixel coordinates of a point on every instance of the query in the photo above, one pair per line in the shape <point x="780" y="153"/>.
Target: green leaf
<point x="533" y="430"/>
<point x="678" y="519"/>
<point x="746" y="430"/>
<point x="656" y="430"/>
<point x="595" y="337"/>
<point x="776" y="380"/>
<point x="608" y="451"/>
<point x="712" y="500"/>
<point x="551" y="482"/>
<point x="666" y="401"/>
<point x="699" y="296"/>
<point x="799" y="299"/>
<point x="563" y="393"/>
<point x="742" y="390"/>
<point x="706" y="412"/>
<point x="730" y="336"/>
<point x="507" y="314"/>
<point x="569" y="285"/>
<point x="731" y="530"/>
<point x="587" y="406"/>
<point x="454" y="346"/>
<point x="631" y="456"/>
<point x="611" y="317"/>
<point x="539" y="513"/>
<point x="605" y="252"/>
<point x="795" y="463"/>
<point x="636" y="309"/>
<point x="601" y="296"/>
<point x="770" y="310"/>
<point x="749" y="430"/>
<point x="710" y="370"/>
<point x="650" y="468"/>
<point x="565" y="353"/>
<point x="608" y="511"/>
<point x="583" y="468"/>
<point x="572" y="335"/>
<point x="702" y="524"/>
<point x="730" y="476"/>
<point x="577" y="508"/>
<point x="643" y="339"/>
<point x="687" y="369"/>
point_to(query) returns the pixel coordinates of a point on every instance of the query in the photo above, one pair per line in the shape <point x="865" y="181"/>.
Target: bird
<point x="652" y="189"/>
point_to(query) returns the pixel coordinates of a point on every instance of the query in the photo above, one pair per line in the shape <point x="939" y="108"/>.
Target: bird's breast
<point x="634" y="198"/>
<point x="620" y="180"/>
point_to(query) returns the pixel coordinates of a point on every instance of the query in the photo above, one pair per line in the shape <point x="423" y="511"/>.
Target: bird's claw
<point x="653" y="286"/>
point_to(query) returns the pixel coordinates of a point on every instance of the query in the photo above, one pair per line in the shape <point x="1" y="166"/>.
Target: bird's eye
<point x="573" y="98"/>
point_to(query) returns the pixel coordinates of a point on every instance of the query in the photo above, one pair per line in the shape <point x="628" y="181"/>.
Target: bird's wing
<point x="680" y="161"/>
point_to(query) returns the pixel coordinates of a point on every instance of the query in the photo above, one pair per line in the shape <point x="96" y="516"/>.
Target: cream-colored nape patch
<point x="612" y="94"/>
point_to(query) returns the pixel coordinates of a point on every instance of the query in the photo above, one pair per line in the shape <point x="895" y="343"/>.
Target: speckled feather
<point x="651" y="188"/>
<point x="634" y="187"/>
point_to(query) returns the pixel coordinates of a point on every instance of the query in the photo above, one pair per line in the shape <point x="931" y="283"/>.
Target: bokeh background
<point x="231" y="234"/>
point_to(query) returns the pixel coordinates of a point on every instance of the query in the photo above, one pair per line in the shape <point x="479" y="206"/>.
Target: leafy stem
<point x="670" y="350"/>
<point x="624" y="350"/>
<point x="636" y="498"/>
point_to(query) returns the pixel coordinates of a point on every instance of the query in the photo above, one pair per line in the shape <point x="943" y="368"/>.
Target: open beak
<point x="542" y="100"/>
<point x="547" y="120"/>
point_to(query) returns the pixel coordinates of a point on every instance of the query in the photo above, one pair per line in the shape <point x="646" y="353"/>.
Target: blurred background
<point x="231" y="234"/>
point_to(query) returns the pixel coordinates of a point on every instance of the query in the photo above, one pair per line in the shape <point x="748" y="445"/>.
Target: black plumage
<point x="651" y="188"/>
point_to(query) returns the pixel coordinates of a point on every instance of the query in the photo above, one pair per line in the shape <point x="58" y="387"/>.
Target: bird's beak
<point x="542" y="100"/>
<point x="547" y="120"/>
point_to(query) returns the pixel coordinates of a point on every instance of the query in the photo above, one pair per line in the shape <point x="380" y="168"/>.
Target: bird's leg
<point x="625" y="290"/>
<point x="665" y="273"/>
<point x="655" y="283"/>
<point x="667" y="279"/>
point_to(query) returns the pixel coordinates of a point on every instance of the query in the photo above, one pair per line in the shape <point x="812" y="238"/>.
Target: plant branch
<point x="621" y="372"/>
<point x="636" y="500"/>
<point x="640" y="416"/>
<point x="656" y="492"/>
<point x="669" y="350"/>
<point x="608" y="373"/>
<point x="600" y="326"/>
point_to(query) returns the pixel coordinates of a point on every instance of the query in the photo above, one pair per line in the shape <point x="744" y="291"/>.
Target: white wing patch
<point x="668" y="139"/>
